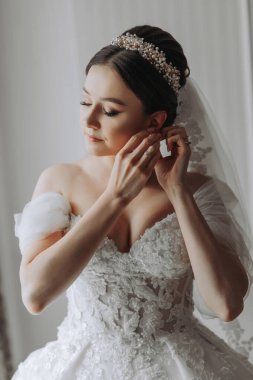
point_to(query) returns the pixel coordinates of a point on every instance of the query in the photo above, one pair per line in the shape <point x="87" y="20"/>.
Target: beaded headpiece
<point x="152" y="53"/>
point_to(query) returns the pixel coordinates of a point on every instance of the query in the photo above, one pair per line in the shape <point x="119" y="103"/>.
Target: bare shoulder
<point x="56" y="178"/>
<point x="196" y="180"/>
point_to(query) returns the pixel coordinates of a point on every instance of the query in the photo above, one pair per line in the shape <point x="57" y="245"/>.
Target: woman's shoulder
<point x="58" y="178"/>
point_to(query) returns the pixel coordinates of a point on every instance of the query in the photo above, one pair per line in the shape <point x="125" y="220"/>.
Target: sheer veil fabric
<point x="211" y="157"/>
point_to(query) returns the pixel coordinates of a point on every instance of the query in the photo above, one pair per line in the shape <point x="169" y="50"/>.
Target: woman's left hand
<point x="171" y="171"/>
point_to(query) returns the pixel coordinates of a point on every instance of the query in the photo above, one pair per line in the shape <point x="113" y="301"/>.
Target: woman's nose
<point x="90" y="117"/>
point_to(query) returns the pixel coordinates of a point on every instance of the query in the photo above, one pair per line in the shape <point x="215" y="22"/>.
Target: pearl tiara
<point x="151" y="52"/>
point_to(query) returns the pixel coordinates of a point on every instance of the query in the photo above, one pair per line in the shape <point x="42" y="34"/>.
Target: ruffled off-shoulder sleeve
<point x="45" y="214"/>
<point x="220" y="218"/>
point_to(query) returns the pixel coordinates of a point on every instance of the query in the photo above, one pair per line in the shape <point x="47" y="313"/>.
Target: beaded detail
<point x="151" y="53"/>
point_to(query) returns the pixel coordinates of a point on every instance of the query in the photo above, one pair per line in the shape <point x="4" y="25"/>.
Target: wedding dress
<point x="130" y="315"/>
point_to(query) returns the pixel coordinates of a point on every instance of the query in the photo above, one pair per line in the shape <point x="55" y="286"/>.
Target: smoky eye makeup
<point x="110" y="113"/>
<point x="83" y="103"/>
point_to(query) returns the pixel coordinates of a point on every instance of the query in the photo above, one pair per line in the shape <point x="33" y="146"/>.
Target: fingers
<point x="172" y="130"/>
<point x="144" y="146"/>
<point x="153" y="161"/>
<point x="134" y="141"/>
<point x="178" y="146"/>
<point x="140" y="143"/>
<point x="150" y="155"/>
<point x="176" y="137"/>
<point x="176" y="131"/>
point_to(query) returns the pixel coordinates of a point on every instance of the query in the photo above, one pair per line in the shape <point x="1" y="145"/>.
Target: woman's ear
<point x="157" y="119"/>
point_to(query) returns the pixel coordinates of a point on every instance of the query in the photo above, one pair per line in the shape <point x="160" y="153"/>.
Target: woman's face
<point x="111" y="111"/>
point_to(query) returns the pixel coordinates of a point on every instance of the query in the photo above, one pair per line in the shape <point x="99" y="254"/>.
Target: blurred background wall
<point x="44" y="47"/>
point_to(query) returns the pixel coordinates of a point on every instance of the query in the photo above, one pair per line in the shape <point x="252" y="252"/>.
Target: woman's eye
<point x="83" y="103"/>
<point x="111" y="113"/>
<point x="107" y="113"/>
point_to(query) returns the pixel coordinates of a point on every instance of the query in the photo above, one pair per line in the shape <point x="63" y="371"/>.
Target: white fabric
<point x="225" y="230"/>
<point x="216" y="38"/>
<point x="130" y="315"/>
<point x="209" y="155"/>
<point x="40" y="217"/>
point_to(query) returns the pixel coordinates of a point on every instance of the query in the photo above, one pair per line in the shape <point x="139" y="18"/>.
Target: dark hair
<point x="141" y="76"/>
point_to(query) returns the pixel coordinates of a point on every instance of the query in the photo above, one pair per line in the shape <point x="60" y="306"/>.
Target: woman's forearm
<point x="219" y="275"/>
<point x="55" y="268"/>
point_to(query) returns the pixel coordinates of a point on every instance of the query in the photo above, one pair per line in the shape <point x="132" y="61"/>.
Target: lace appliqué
<point x="234" y="336"/>
<point x="130" y="317"/>
<point x="199" y="146"/>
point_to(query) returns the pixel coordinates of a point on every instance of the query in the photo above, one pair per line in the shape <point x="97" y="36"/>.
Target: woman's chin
<point x="100" y="153"/>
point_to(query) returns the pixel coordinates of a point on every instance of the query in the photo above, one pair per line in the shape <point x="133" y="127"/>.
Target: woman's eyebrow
<point x="109" y="99"/>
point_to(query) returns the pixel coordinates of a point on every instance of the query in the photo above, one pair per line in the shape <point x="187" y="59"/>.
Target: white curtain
<point x="44" y="47"/>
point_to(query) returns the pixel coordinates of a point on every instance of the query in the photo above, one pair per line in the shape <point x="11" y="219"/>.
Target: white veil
<point x="211" y="157"/>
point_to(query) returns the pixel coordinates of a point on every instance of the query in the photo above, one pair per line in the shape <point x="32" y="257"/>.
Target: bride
<point x="126" y="231"/>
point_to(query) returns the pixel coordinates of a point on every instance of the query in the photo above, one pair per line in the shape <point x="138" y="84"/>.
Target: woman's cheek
<point x="117" y="141"/>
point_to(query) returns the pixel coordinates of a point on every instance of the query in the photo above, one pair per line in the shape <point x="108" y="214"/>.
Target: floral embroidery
<point x="130" y="317"/>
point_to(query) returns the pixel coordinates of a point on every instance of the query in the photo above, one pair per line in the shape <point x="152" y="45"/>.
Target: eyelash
<point x="110" y="114"/>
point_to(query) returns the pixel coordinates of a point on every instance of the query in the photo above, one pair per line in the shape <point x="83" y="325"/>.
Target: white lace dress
<point x="130" y="315"/>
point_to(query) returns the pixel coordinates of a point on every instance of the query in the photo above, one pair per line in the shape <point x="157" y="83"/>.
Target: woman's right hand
<point x="132" y="167"/>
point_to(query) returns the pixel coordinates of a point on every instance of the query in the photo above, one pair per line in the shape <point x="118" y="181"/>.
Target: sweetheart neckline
<point x="106" y="238"/>
<point x="148" y="229"/>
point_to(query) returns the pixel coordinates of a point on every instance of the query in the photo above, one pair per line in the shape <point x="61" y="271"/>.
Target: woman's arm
<point x="50" y="265"/>
<point x="53" y="270"/>
<point x="219" y="274"/>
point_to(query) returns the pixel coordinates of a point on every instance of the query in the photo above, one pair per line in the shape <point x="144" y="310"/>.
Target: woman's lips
<point x="93" y="139"/>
